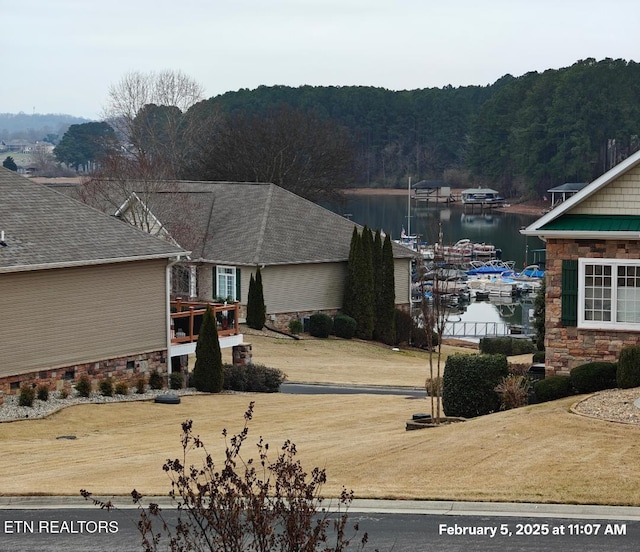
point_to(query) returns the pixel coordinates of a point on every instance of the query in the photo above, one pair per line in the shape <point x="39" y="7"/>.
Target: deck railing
<point x="186" y="319"/>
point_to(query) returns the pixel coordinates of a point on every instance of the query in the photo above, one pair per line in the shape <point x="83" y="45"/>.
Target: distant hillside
<point x="20" y="126"/>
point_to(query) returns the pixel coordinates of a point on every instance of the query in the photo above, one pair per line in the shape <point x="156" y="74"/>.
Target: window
<point x="226" y="282"/>
<point x="609" y="293"/>
<point x="180" y="280"/>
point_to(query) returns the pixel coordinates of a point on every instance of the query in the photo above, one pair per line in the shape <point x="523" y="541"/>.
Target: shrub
<point x="344" y="326"/>
<point x="552" y="388"/>
<point x="208" y="374"/>
<point x="176" y="380"/>
<point x="628" y="373"/>
<point x="140" y="386"/>
<point x="320" y="325"/>
<point x="106" y="387"/>
<point x="253" y="378"/>
<point x="27" y="395"/>
<point x="156" y="381"/>
<point x="64" y="393"/>
<point x="42" y="393"/>
<point x="295" y="326"/>
<point x="538" y="357"/>
<point x="594" y="376"/>
<point x="83" y="387"/>
<point x="410" y="332"/>
<point x="121" y="388"/>
<point x="513" y="391"/>
<point x="237" y="502"/>
<point x="433" y="386"/>
<point x="508" y="346"/>
<point x="469" y="382"/>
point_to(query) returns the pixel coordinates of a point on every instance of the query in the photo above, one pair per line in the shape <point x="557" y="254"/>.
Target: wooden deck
<point x="186" y="319"/>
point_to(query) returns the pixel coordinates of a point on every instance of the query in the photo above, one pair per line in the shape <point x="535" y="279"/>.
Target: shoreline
<point x="534" y="207"/>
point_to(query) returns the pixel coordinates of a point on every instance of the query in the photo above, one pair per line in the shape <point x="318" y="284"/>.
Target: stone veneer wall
<point x="568" y="347"/>
<point x="126" y="369"/>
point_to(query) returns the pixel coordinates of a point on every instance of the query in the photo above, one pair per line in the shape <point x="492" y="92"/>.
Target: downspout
<point x="167" y="295"/>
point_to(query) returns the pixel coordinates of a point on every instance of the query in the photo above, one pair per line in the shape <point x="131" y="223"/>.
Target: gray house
<point x="82" y="292"/>
<point x="232" y="228"/>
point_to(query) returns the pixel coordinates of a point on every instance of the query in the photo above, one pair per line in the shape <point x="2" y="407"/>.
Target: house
<point x="82" y="292"/>
<point x="593" y="270"/>
<point x="231" y="228"/>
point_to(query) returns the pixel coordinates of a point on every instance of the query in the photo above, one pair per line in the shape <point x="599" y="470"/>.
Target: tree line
<point x="521" y="135"/>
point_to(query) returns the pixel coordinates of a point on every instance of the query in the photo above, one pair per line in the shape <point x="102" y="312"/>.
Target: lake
<point x="389" y="213"/>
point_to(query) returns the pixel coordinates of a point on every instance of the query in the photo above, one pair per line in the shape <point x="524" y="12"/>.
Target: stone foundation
<point x="125" y="369"/>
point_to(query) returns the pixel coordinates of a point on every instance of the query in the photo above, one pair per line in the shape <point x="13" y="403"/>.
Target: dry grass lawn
<point x="541" y="453"/>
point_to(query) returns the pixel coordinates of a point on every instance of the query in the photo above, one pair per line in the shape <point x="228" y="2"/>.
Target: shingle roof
<point x="251" y="224"/>
<point x="45" y="229"/>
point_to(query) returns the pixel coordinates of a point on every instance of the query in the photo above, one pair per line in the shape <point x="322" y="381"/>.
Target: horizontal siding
<point x="69" y="316"/>
<point x="402" y="280"/>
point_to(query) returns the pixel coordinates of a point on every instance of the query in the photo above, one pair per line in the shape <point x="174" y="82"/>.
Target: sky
<point x="62" y="56"/>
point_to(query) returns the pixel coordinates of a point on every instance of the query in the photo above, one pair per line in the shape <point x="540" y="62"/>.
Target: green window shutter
<point x="238" y="285"/>
<point x="214" y="282"/>
<point x="569" y="293"/>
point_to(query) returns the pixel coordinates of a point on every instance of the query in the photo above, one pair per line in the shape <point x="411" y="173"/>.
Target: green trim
<point x="569" y="293"/>
<point x="594" y="223"/>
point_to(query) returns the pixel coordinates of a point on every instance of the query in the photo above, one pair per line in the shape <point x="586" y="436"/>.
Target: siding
<point x="64" y="317"/>
<point x="620" y="197"/>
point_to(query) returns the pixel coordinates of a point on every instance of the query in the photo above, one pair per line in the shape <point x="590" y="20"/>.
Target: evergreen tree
<point x="208" y="374"/>
<point x="387" y="301"/>
<point x="377" y="285"/>
<point x="351" y="281"/>
<point x="256" y="309"/>
<point x="9" y="163"/>
<point x="364" y="301"/>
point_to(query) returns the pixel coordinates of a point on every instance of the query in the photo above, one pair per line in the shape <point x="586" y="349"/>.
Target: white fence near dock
<point x="460" y="328"/>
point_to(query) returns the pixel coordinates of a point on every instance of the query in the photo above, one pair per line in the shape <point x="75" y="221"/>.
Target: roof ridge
<point x="263" y="225"/>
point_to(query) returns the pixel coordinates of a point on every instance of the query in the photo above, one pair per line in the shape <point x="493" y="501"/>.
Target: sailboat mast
<point x="409" y="208"/>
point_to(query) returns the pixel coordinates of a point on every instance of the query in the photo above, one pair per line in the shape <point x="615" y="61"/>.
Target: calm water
<point x="389" y="213"/>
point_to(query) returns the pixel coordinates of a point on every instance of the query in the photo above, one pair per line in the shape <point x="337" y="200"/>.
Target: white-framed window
<point x="609" y="293"/>
<point x="226" y="282"/>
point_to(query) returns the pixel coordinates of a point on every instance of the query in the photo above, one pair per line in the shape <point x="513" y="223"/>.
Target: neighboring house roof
<point x="562" y="222"/>
<point x="568" y="187"/>
<point x="45" y="229"/>
<point x="254" y="224"/>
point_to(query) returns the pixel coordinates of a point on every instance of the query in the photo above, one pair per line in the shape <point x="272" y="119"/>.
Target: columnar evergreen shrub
<point x="351" y="282"/>
<point x="469" y="382"/>
<point x="628" y="373"/>
<point x="387" y="302"/>
<point x="594" y="376"/>
<point x="320" y="325"/>
<point x="256" y="309"/>
<point x="208" y="375"/>
<point x="552" y="388"/>
<point x="83" y="387"/>
<point x="365" y="295"/>
<point x="344" y="326"/>
<point x="27" y="395"/>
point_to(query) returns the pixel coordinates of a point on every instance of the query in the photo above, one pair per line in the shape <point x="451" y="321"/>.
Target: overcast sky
<point x="61" y="56"/>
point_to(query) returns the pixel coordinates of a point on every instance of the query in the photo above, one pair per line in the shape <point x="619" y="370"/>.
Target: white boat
<point x="502" y="286"/>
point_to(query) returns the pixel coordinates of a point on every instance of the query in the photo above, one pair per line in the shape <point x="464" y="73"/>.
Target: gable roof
<point x="559" y="223"/>
<point x="45" y="229"/>
<point x="256" y="224"/>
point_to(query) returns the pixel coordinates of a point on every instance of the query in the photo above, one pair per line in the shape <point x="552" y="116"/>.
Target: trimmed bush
<point x="176" y="380"/>
<point x="344" y="326"/>
<point x="295" y="326"/>
<point x="121" y="388"/>
<point x="469" y="382"/>
<point x="27" y="395"/>
<point x="156" y="381"/>
<point x="42" y="393"/>
<point x="83" y="387"/>
<point x="594" y="376"/>
<point x="628" y="373"/>
<point x="552" y="388"/>
<point x="509" y="346"/>
<point x="254" y="378"/>
<point x="320" y="325"/>
<point x="106" y="387"/>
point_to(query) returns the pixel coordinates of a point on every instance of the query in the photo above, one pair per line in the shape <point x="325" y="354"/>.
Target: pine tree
<point x="387" y="309"/>
<point x="256" y="309"/>
<point x="378" y="325"/>
<point x="208" y="374"/>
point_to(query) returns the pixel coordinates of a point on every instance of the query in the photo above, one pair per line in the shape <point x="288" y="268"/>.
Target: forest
<point x="521" y="135"/>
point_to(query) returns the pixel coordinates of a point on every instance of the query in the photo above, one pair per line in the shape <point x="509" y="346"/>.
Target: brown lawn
<point x="541" y="453"/>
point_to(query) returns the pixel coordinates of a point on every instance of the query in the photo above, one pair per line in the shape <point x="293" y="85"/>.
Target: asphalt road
<point x="325" y="389"/>
<point x="84" y="529"/>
